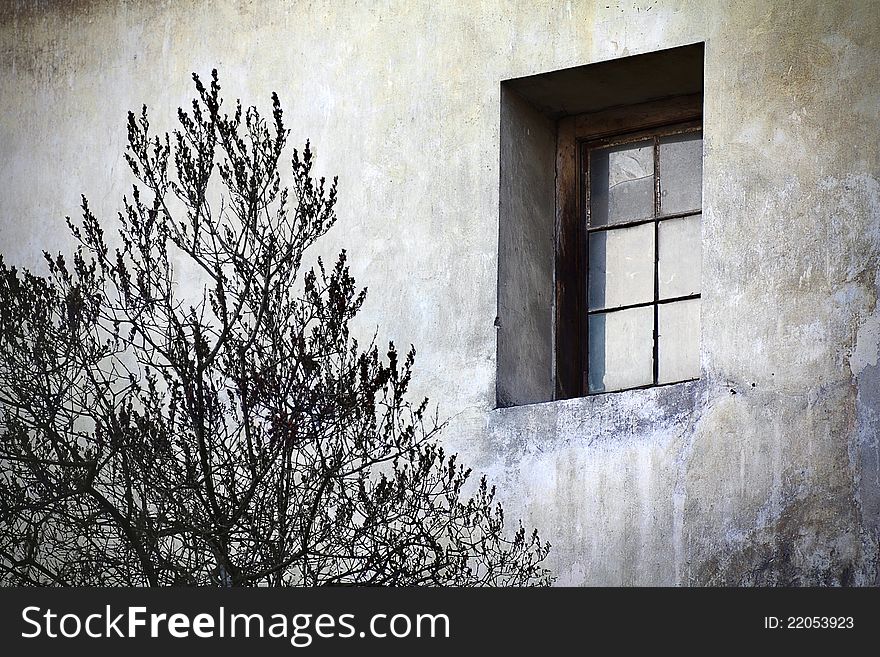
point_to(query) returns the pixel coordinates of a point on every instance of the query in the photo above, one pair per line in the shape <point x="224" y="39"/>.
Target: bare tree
<point x="238" y="438"/>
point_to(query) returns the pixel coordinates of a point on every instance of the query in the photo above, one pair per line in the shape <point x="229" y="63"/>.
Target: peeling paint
<point x="867" y="347"/>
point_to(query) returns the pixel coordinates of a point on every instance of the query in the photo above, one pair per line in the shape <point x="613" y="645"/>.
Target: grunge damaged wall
<point x="767" y="469"/>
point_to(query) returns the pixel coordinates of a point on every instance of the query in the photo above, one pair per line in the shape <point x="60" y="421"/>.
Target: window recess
<point x="628" y="248"/>
<point x="633" y="303"/>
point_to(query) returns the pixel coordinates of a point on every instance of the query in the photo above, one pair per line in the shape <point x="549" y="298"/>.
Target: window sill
<point x="599" y="418"/>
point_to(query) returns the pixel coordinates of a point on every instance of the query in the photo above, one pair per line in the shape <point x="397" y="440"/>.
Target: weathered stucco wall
<point x="764" y="471"/>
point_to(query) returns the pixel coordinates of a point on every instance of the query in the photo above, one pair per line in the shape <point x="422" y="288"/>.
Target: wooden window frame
<point x="574" y="135"/>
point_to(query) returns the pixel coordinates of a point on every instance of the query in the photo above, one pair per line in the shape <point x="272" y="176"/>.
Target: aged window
<point x="642" y="216"/>
<point x="628" y="275"/>
<point x="599" y="227"/>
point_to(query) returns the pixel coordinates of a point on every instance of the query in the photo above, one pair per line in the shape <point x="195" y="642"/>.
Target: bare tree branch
<point x="235" y="436"/>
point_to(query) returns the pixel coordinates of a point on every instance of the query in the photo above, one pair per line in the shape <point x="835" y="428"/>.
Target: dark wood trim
<point x="619" y="120"/>
<point x="570" y="277"/>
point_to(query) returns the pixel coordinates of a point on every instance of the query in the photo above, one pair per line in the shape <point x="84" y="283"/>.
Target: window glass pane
<point x="679" y="259"/>
<point x="621" y="349"/>
<point x="678" y="341"/>
<point x="621" y="269"/>
<point x="621" y="183"/>
<point x="681" y="172"/>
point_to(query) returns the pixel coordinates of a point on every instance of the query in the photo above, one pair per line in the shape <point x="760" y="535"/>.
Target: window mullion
<point x="584" y="221"/>
<point x="656" y="255"/>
